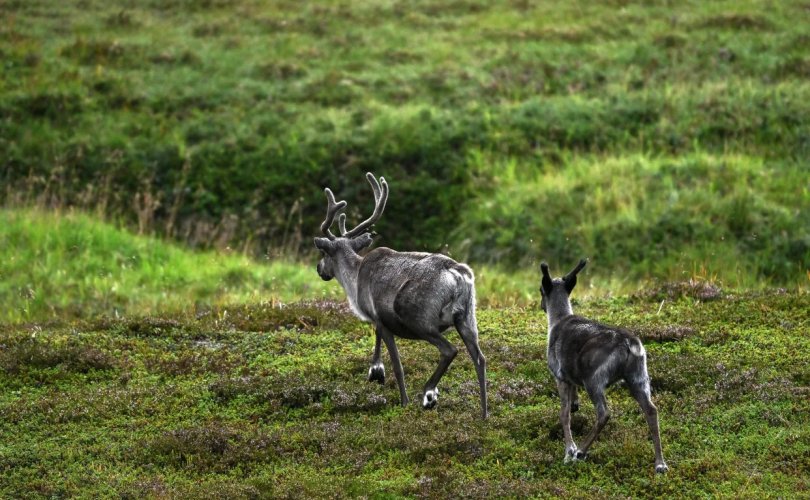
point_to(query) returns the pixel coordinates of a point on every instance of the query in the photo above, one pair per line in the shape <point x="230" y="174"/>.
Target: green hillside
<point x="62" y="266"/>
<point x="71" y="266"/>
<point x="656" y="137"/>
<point x="164" y="333"/>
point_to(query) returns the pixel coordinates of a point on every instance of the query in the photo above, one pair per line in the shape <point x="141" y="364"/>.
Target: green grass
<point x="219" y="122"/>
<point x="272" y="401"/>
<point x="667" y="217"/>
<point x="668" y="143"/>
<point x="58" y="266"/>
<point x="68" y="266"/>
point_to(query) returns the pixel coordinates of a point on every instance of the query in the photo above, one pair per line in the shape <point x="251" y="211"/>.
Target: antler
<point x="332" y="208"/>
<point x="380" y="197"/>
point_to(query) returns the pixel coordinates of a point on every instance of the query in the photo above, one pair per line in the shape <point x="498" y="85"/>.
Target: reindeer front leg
<point x="567" y="394"/>
<point x="377" y="370"/>
<point x="399" y="374"/>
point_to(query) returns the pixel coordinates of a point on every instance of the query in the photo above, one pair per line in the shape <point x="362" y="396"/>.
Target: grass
<point x="58" y="266"/>
<point x="271" y="401"/>
<point x="202" y="357"/>
<point x="672" y="218"/>
<point x="219" y="123"/>
<point x="70" y="265"/>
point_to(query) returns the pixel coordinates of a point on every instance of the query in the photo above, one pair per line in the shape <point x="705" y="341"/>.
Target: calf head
<point x="558" y="289"/>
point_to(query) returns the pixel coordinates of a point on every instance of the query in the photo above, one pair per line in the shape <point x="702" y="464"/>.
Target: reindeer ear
<point x="363" y="241"/>
<point x="546" y="281"/>
<point x="324" y="244"/>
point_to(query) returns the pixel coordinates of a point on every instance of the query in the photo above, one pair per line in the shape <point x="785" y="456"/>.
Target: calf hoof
<point x="430" y="399"/>
<point x="571" y="455"/>
<point x="661" y="468"/>
<point x="575" y="406"/>
<point x="376" y="373"/>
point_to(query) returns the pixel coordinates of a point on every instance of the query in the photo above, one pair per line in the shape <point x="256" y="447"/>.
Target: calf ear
<point x="546" y="281"/>
<point x="570" y="279"/>
<point x="324" y="244"/>
<point x="570" y="282"/>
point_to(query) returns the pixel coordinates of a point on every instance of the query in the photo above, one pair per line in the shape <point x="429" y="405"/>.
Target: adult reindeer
<point x="412" y="295"/>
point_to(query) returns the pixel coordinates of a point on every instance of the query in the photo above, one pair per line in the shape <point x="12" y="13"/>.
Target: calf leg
<point x="597" y="394"/>
<point x="641" y="393"/>
<point x="567" y="392"/>
<point x="388" y="338"/>
<point x="376" y="371"/>
<point x="448" y="353"/>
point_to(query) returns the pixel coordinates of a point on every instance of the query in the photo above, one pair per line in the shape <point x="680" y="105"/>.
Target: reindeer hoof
<point x="661" y="468"/>
<point x="571" y="455"/>
<point x="376" y="373"/>
<point x="430" y="399"/>
<point x="575" y="406"/>
<point x="581" y="455"/>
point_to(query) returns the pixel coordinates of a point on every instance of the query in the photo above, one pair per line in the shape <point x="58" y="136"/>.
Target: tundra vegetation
<point x="265" y="400"/>
<point x="161" y="173"/>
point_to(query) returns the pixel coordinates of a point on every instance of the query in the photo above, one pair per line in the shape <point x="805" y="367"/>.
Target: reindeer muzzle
<point x="323" y="274"/>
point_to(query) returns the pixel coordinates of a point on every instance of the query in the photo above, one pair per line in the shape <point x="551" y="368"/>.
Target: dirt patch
<point x="301" y="316"/>
<point x="32" y="353"/>
<point x="704" y="291"/>
<point x="669" y="333"/>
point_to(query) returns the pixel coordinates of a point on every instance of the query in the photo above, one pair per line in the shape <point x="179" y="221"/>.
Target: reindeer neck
<point x="558" y="307"/>
<point x="346" y="274"/>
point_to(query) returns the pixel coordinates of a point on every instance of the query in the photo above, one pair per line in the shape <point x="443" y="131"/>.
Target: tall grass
<point x="58" y="266"/>
<point x="734" y="218"/>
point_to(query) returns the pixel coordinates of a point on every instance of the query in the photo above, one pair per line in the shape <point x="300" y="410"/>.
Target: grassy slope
<point x="59" y="266"/>
<point x="62" y="266"/>
<point x="273" y="401"/>
<point x="237" y="110"/>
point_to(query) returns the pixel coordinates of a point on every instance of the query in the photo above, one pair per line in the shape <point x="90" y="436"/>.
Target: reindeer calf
<point x="585" y="353"/>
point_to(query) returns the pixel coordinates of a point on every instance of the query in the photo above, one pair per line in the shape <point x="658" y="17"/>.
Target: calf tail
<point x="636" y="368"/>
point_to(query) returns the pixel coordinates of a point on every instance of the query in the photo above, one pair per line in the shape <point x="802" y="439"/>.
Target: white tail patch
<point x="468" y="278"/>
<point x="636" y="348"/>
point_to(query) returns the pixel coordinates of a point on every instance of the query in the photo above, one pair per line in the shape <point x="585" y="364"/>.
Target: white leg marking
<point x="430" y="399"/>
<point x="570" y="454"/>
<point x="376" y="372"/>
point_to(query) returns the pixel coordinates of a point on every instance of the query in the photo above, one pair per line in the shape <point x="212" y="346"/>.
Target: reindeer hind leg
<point x="448" y="352"/>
<point x="468" y="330"/>
<point x="567" y="392"/>
<point x="641" y="393"/>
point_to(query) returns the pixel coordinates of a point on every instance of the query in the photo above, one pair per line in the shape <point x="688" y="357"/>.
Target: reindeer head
<point x="558" y="287"/>
<point x="349" y="242"/>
